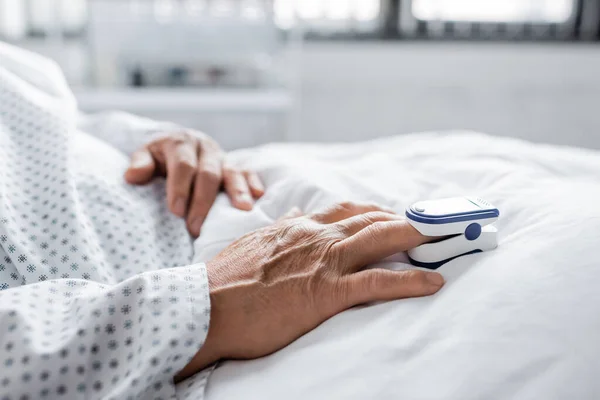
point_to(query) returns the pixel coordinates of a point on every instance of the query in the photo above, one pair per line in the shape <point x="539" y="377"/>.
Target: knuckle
<point x="299" y="233"/>
<point x="317" y="216"/>
<point x="198" y="208"/>
<point x="377" y="216"/>
<point x="193" y="215"/>
<point x="370" y="217"/>
<point x="365" y="219"/>
<point x="373" y="232"/>
<point x="185" y="167"/>
<point x="178" y="192"/>
<point x="382" y="282"/>
<point x="341" y="292"/>
<point x="209" y="176"/>
<point x="156" y="146"/>
<point x="362" y="207"/>
<point x="347" y="205"/>
<point x="374" y="280"/>
<point x="294" y="229"/>
<point x="336" y="233"/>
<point x="414" y="278"/>
<point x="348" y="227"/>
<point x="372" y="206"/>
<point x="237" y="192"/>
<point x="180" y="137"/>
<point x="377" y="227"/>
<point x="336" y="253"/>
<point x="208" y="144"/>
<point x="229" y="170"/>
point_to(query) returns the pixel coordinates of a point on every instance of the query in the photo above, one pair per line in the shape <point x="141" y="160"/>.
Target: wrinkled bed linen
<point x="519" y="322"/>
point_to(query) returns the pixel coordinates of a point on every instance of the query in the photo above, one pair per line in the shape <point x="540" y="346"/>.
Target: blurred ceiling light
<point x="42" y="17"/>
<point x="338" y="9"/>
<point x="309" y="9"/>
<point x="318" y="10"/>
<point x="223" y="8"/>
<point x="194" y="7"/>
<point x="548" y="11"/>
<point x="12" y="19"/>
<point x="72" y="14"/>
<point x="164" y="10"/>
<point x="285" y="13"/>
<point x="252" y="9"/>
<point x="366" y="10"/>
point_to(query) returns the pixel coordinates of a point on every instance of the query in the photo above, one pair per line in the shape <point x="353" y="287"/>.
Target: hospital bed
<point x="519" y="322"/>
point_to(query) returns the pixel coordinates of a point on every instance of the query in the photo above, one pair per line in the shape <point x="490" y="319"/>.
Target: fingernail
<point x="259" y="185"/>
<point x="179" y="207"/>
<point x="141" y="161"/>
<point x="435" y="279"/>
<point x="196" y="225"/>
<point x="246" y="201"/>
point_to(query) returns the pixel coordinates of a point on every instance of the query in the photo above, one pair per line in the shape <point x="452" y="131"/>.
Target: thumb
<point x="381" y="285"/>
<point x="141" y="169"/>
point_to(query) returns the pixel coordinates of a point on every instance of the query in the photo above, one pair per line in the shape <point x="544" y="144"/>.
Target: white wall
<point x="545" y="92"/>
<point x="542" y="92"/>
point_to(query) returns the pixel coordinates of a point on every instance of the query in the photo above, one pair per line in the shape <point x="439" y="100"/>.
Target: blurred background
<point x="254" y="71"/>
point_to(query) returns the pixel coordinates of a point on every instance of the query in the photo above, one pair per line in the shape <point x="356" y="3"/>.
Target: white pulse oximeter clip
<point x="469" y="219"/>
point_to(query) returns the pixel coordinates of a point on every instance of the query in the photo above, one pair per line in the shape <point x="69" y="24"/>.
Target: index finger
<point x="378" y="241"/>
<point x="141" y="168"/>
<point x="206" y="187"/>
<point x="346" y="210"/>
<point x="181" y="160"/>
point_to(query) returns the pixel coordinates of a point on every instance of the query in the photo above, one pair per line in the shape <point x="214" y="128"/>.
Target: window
<point x="329" y="16"/>
<point x="534" y="11"/>
<point x="466" y="19"/>
<point x="21" y="18"/>
<point x="495" y="19"/>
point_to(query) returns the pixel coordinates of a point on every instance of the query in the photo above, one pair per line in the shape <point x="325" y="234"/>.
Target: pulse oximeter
<point x="463" y="222"/>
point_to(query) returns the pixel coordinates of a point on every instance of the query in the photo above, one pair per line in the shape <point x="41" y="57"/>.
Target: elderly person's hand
<point x="279" y="282"/>
<point x="195" y="168"/>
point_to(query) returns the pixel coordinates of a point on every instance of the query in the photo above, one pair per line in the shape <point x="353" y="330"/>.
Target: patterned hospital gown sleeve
<point x="72" y="338"/>
<point x="78" y="318"/>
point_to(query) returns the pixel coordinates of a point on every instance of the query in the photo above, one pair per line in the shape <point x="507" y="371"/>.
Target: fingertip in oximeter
<point x="467" y="220"/>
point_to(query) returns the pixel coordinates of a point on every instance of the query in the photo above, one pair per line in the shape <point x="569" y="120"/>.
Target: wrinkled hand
<point x="277" y="283"/>
<point x="195" y="168"/>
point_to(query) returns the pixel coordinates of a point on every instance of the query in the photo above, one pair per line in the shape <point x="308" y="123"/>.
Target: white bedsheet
<point x="520" y="322"/>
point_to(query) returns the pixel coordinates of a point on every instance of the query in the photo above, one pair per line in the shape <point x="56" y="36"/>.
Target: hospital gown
<point x="99" y="297"/>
